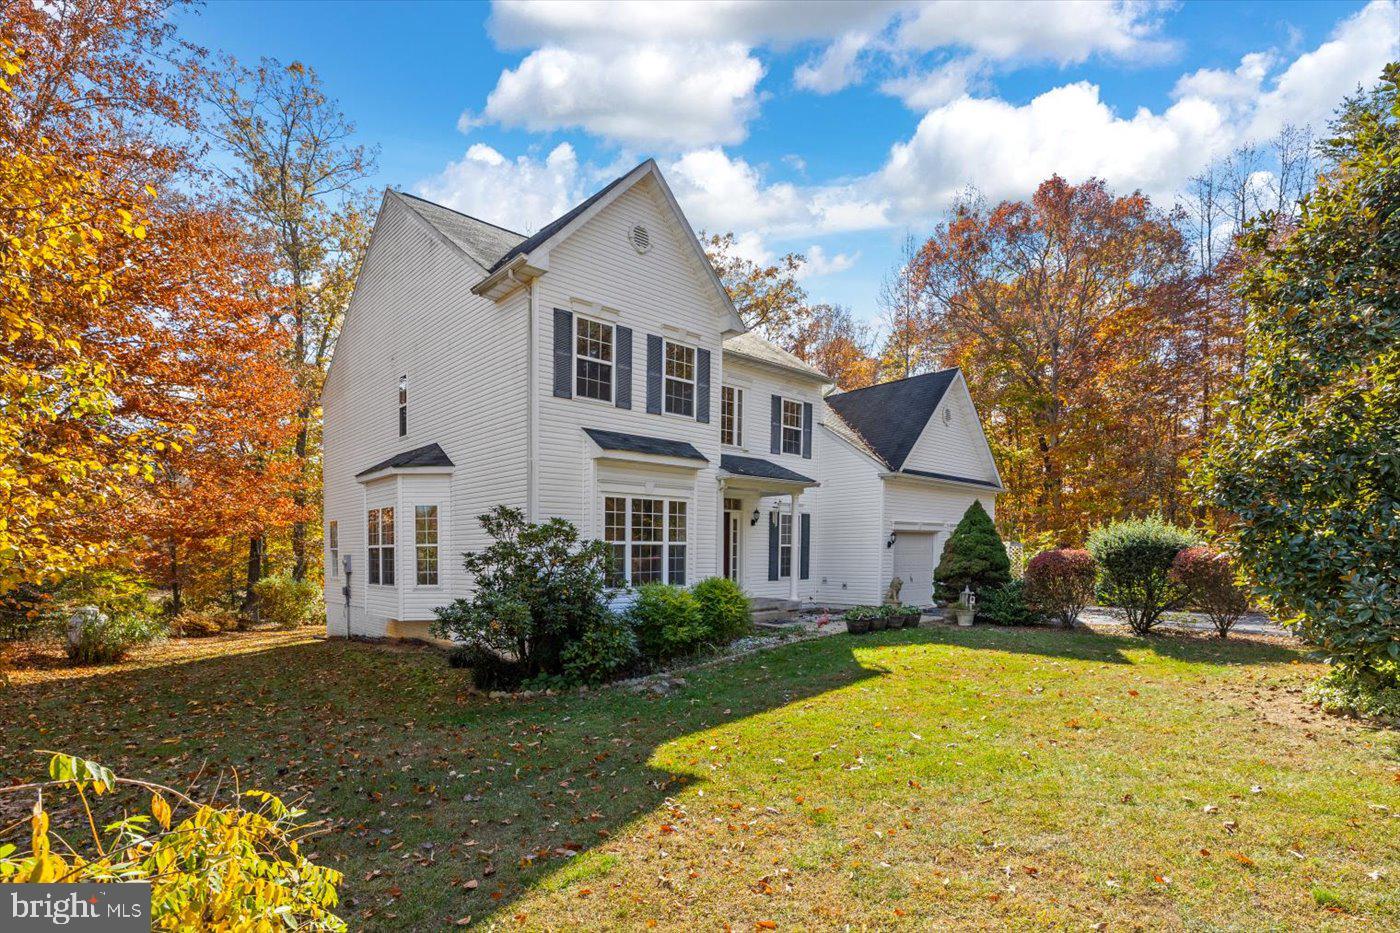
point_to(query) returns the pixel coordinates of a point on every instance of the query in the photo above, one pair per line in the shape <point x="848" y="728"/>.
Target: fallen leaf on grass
<point x="1243" y="859"/>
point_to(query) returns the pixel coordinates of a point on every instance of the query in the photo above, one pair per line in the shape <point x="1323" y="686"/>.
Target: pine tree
<point x="974" y="557"/>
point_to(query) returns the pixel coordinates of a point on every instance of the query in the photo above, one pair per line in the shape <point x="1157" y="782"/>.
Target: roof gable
<point x="484" y="243"/>
<point x="750" y="346"/>
<point x="891" y="416"/>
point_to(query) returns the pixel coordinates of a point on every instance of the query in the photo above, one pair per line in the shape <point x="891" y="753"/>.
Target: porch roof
<point x="641" y="444"/>
<point x="758" y="468"/>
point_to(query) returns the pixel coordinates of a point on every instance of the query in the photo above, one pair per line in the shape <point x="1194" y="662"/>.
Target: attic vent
<point x="947" y="416"/>
<point x="640" y="239"/>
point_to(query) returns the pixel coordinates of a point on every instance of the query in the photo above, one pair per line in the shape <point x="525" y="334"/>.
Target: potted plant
<point x="910" y="615"/>
<point x="881" y="620"/>
<point x="860" y="619"/>
<point x="966" y="607"/>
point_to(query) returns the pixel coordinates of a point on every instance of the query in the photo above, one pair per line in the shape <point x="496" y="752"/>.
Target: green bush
<point x="1371" y="695"/>
<point x="106" y="639"/>
<point x="539" y="588"/>
<point x="489" y="671"/>
<point x="1135" y="561"/>
<point x="972" y="557"/>
<point x="668" y="623"/>
<point x="287" y="603"/>
<point x="1008" y="606"/>
<point x="723" y="608"/>
<point x="603" y="653"/>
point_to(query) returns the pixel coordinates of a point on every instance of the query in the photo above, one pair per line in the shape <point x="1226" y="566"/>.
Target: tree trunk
<point x="299" y="499"/>
<point x="176" y="602"/>
<point x="255" y="572"/>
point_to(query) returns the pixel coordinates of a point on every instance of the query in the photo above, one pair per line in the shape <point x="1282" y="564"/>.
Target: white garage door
<point x="913" y="563"/>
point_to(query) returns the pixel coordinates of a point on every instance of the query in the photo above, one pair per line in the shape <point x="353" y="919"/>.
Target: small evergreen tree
<point x="973" y="556"/>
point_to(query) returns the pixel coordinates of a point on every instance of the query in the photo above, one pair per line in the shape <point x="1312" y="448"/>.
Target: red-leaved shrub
<point x="1208" y="578"/>
<point x="1060" y="583"/>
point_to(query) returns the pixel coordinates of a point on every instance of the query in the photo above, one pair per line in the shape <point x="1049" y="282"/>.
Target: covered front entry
<point x="914" y="560"/>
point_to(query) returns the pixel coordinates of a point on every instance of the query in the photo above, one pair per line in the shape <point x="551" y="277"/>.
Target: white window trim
<point x="665" y="542"/>
<point x="611" y="364"/>
<point x="436" y="546"/>
<point x="666" y="344"/>
<point x="333" y="546"/>
<point x="376" y="547"/>
<point x="738" y="416"/>
<point x="783" y="426"/>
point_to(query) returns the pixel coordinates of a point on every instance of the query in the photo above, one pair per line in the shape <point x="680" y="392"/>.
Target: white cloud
<point x="521" y="194"/>
<point x="836" y="68"/>
<point x="652" y="95"/>
<point x="936" y="86"/>
<point x="1062" y="31"/>
<point x="819" y="263"/>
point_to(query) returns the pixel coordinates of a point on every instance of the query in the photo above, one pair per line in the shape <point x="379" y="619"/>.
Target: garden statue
<point x="892" y="593"/>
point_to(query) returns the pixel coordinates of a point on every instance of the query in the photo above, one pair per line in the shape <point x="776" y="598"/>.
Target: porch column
<point x="796" y="548"/>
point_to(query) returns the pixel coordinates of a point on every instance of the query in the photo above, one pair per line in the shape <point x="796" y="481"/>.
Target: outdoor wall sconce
<point x="889" y="542"/>
<point x="754" y="520"/>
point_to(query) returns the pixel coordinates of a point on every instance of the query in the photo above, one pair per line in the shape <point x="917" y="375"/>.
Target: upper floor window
<point x="425" y="543"/>
<point x="593" y="355"/>
<point x="647" y="538"/>
<point x="792" y="427"/>
<point x="333" y="544"/>
<point x="731" y="416"/>
<point x="379" y="533"/>
<point x="680" y="379"/>
<point x="403" y="405"/>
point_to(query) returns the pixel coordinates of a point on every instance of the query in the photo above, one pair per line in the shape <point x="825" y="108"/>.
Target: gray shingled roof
<point x="485" y="243"/>
<point x="429" y="455"/>
<point x="756" y="348"/>
<point x="890" y="416"/>
<point x="641" y="444"/>
<point x="763" y="469"/>
<point x="559" y="223"/>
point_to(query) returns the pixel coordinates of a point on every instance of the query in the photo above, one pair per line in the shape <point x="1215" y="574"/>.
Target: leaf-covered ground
<point x="923" y="778"/>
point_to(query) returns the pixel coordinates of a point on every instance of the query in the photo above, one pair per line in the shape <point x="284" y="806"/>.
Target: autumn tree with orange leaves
<point x="152" y="322"/>
<point x="1063" y="312"/>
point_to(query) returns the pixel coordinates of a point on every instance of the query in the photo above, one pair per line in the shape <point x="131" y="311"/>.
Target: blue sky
<point x="830" y="129"/>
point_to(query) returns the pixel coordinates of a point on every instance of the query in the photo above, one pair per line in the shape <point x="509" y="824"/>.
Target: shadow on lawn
<point x="430" y="787"/>
<point x="1082" y="645"/>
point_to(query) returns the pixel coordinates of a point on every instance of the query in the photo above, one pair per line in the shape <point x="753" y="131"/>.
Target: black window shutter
<point x="623" y="355"/>
<point x="777" y="425"/>
<point x="563" y="353"/>
<point x="806" y="560"/>
<point x="653" y="374"/>
<point x="702" y="386"/>
<point x="773" y="545"/>
<point x="807" y="430"/>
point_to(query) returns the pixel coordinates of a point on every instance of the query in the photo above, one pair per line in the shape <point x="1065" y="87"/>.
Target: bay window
<point x="425" y="543"/>
<point x="379" y="533"/>
<point x="646" y="539"/>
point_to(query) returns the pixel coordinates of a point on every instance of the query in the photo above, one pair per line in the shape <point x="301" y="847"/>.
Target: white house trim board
<point x="479" y="346"/>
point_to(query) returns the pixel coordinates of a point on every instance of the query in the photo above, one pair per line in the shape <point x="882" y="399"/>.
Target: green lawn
<point x="921" y="778"/>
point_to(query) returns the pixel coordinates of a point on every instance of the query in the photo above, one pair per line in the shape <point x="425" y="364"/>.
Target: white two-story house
<point x="597" y="371"/>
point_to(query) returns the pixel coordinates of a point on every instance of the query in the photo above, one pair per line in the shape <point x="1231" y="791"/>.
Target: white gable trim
<point x="536" y="262"/>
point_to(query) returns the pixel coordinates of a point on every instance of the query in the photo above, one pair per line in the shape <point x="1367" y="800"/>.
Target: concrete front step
<point x="767" y="612"/>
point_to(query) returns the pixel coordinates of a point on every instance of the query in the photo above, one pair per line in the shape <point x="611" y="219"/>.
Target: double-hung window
<point x="792" y="427"/>
<point x="680" y="379"/>
<point x="784" y="544"/>
<point x="731" y="416"/>
<point x="333" y="544"/>
<point x="647" y="540"/>
<point x="380" y="535"/>
<point x="425" y="543"/>
<point x="593" y="360"/>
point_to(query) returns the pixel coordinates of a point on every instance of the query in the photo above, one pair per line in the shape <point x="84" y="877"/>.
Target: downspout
<point x="531" y="402"/>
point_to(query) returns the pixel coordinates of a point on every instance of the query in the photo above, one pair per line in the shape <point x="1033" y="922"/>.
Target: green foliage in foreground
<point x="211" y="867"/>
<point x="1308" y="456"/>
<point x="1135" y="558"/>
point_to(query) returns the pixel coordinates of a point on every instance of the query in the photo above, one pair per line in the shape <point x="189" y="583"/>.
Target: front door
<point x="913" y="564"/>
<point x="730" y="531"/>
